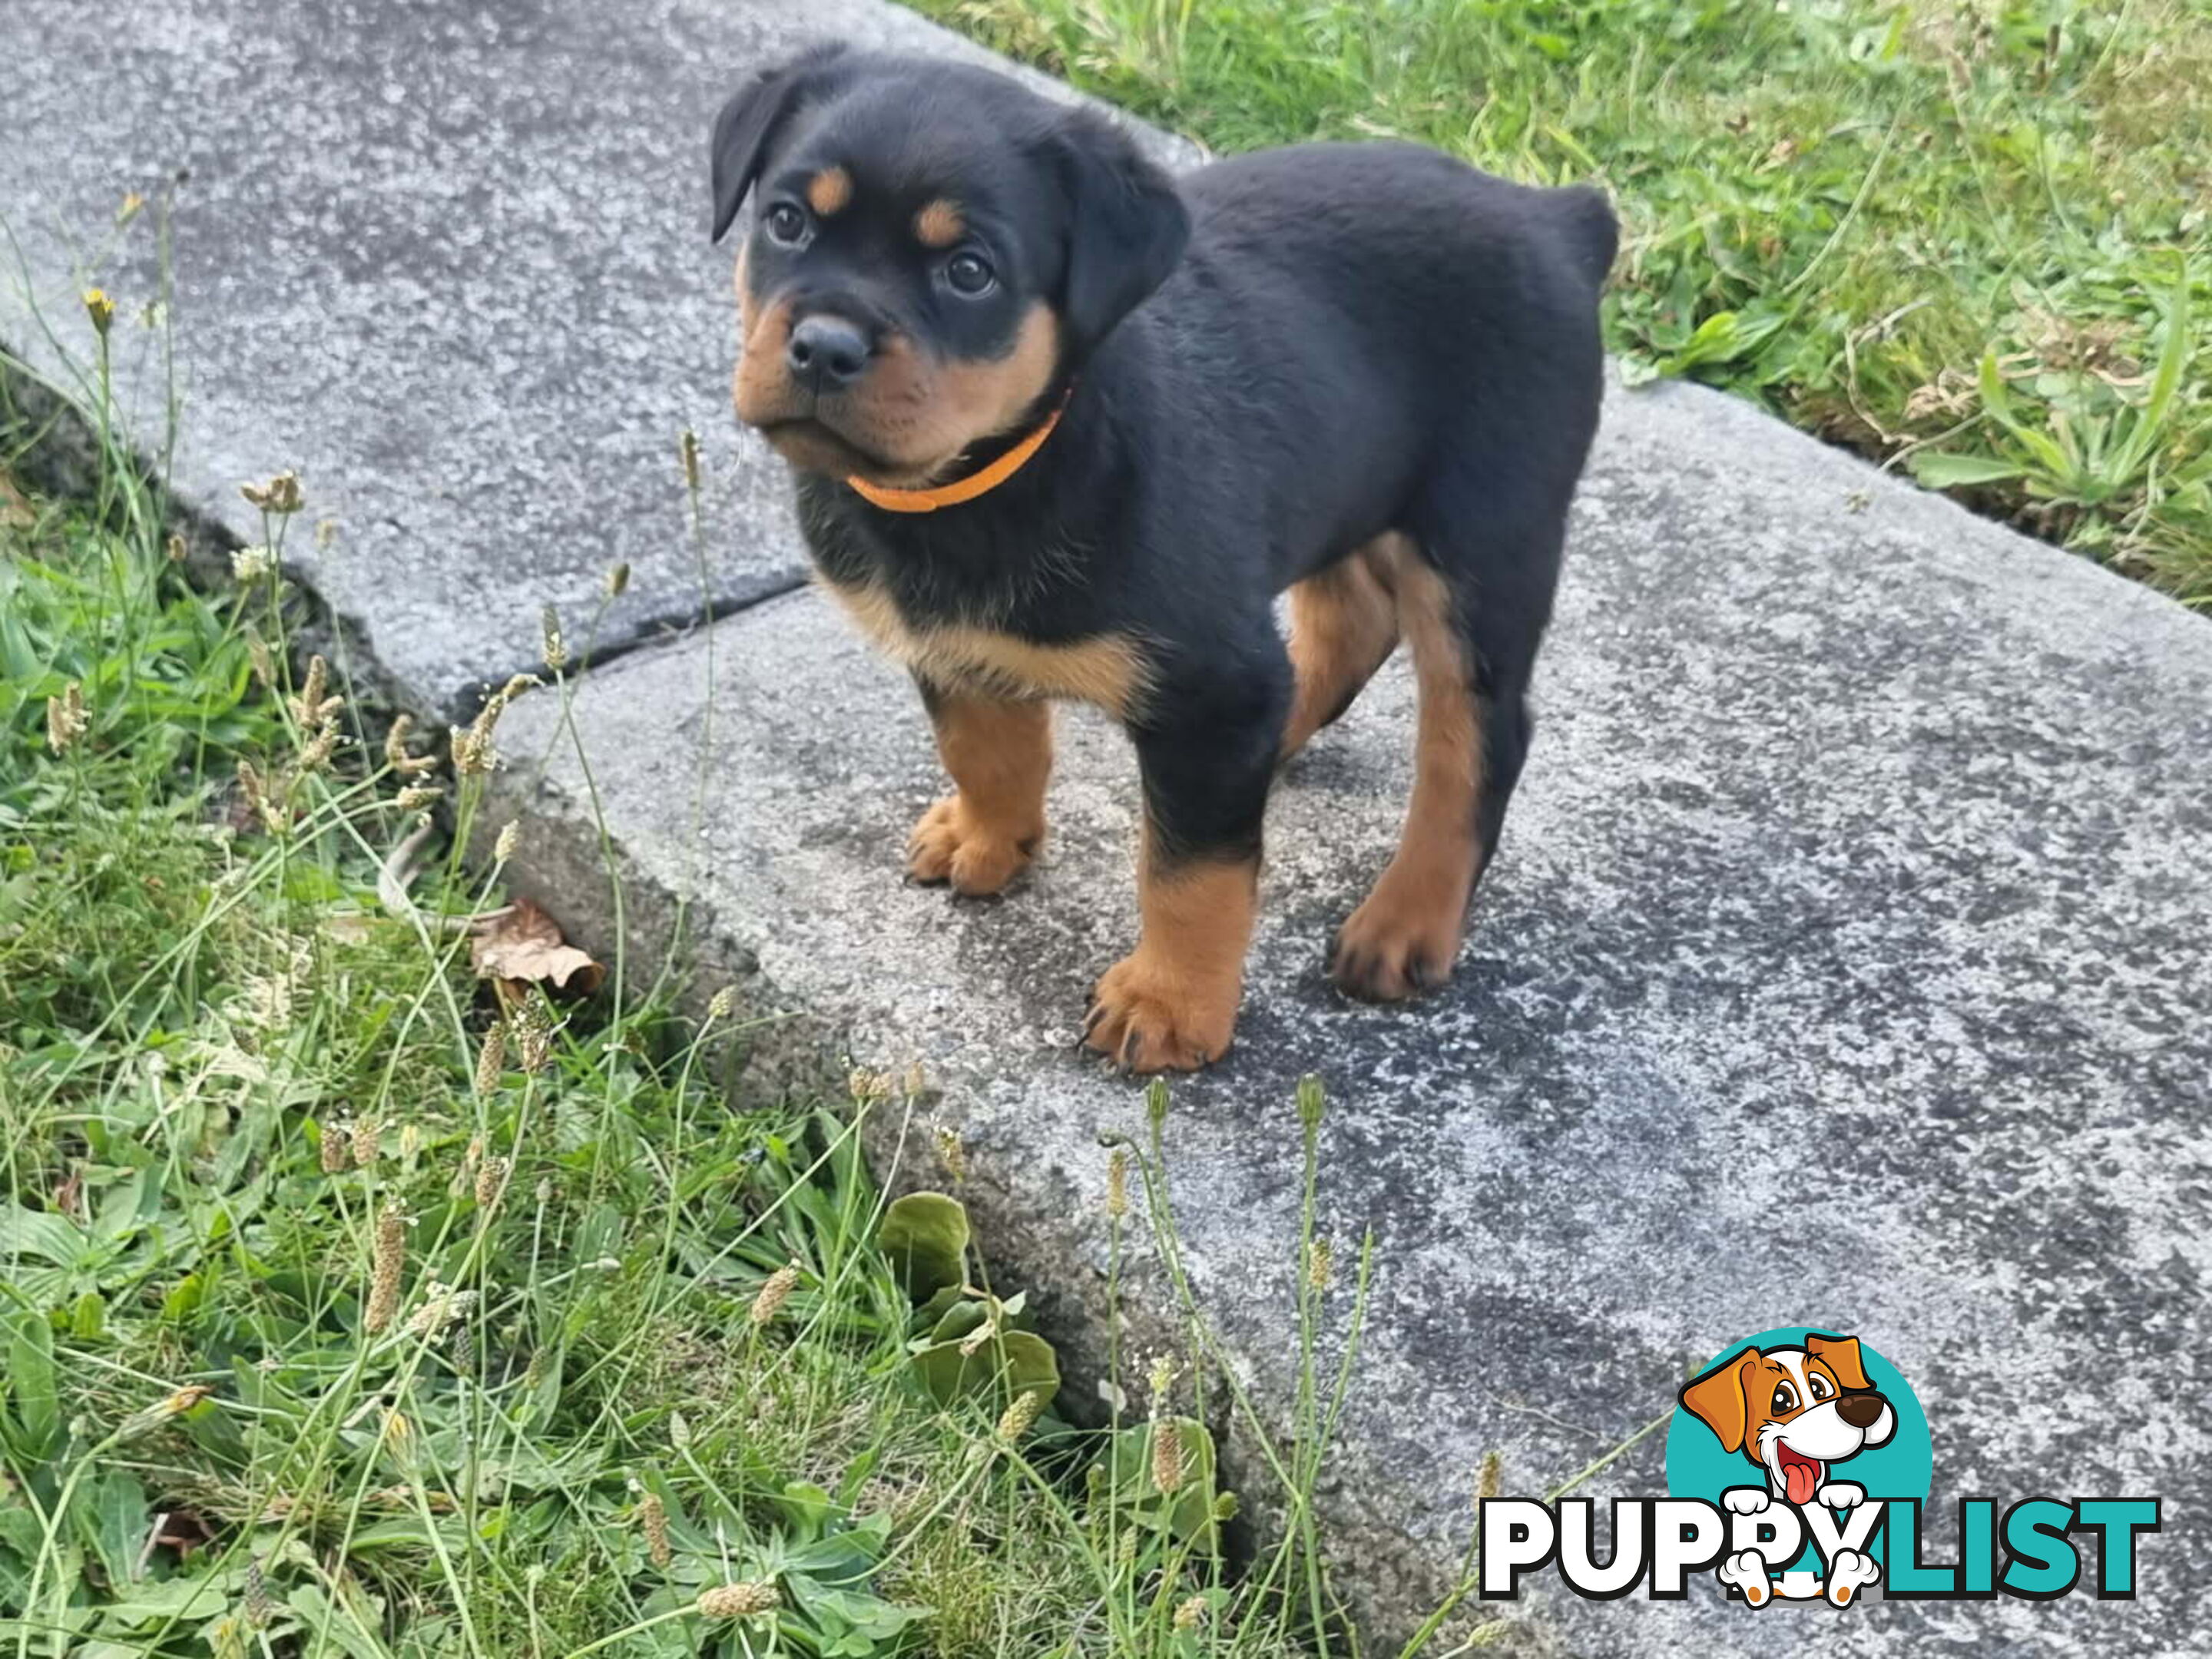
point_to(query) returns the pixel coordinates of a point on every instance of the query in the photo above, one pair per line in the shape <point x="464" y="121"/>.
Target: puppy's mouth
<point x="1801" y="1475"/>
<point x="810" y="443"/>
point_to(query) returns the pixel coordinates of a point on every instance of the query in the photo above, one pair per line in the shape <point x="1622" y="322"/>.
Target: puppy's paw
<point x="1841" y="1495"/>
<point x="1746" y="1500"/>
<point x="1150" y="1017"/>
<point x="953" y="844"/>
<point x="1396" y="943"/>
<point x="1747" y="1571"/>
<point x="1848" y="1573"/>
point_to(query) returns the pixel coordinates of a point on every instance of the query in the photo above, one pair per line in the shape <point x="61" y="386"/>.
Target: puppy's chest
<point x="1105" y="669"/>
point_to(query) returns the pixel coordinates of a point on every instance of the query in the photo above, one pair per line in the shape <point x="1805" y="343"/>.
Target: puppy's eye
<point x="1785" y="1398"/>
<point x="785" y="223"/>
<point x="969" y="273"/>
<point x="1819" y="1385"/>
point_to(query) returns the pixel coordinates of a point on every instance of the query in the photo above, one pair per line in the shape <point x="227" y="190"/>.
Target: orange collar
<point x="979" y="483"/>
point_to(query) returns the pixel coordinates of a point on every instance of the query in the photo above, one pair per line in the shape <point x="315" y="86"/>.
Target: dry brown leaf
<point x="526" y="947"/>
<point x="15" y="508"/>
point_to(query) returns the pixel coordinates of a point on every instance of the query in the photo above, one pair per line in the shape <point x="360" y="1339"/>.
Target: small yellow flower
<point x="399" y="1434"/>
<point x="251" y="564"/>
<point x="1117" y="1184"/>
<point x="130" y="208"/>
<point x="721" y="1004"/>
<point x="1191" y="1615"/>
<point x="101" y="309"/>
<point x="176" y="1403"/>
<point x="510" y="838"/>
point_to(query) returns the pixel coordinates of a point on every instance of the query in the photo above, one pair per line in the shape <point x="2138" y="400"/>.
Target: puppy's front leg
<point x="1170" y="1005"/>
<point x="999" y="754"/>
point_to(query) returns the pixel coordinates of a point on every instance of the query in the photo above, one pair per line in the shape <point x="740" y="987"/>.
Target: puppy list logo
<point x="1797" y="1464"/>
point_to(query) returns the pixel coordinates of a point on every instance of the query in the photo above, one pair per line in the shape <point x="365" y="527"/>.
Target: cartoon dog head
<point x="1792" y="1411"/>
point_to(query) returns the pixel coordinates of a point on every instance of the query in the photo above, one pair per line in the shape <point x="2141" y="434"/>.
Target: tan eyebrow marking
<point x="939" y="224"/>
<point x="829" y="190"/>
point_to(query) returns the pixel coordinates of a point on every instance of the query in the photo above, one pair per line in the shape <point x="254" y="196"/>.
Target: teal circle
<point x="1698" y="1466"/>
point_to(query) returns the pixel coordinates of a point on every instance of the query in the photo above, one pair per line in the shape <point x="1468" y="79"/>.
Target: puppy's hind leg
<point x="1344" y="626"/>
<point x="1473" y="644"/>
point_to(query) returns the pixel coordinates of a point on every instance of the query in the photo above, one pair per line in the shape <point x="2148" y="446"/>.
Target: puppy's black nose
<point x="1861" y="1407"/>
<point x="827" y="352"/>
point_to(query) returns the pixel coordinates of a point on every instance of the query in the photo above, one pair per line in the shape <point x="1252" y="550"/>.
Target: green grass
<point x="1970" y="238"/>
<point x="354" y="1307"/>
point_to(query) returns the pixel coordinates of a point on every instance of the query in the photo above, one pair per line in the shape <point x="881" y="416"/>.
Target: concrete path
<point x="450" y="262"/>
<point x="1847" y="961"/>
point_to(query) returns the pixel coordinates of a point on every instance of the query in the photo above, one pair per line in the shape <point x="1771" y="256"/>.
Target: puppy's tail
<point x="1593" y="234"/>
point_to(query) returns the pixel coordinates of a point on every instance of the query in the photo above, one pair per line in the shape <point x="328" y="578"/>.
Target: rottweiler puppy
<point x="1065" y="426"/>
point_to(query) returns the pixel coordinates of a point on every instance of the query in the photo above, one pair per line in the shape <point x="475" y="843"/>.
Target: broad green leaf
<point x="925" y="1238"/>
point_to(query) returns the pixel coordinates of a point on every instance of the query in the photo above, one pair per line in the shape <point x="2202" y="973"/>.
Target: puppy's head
<point x="933" y="250"/>
<point x="1793" y="1411"/>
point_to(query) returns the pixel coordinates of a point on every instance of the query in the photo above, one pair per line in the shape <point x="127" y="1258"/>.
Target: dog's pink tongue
<point x="1801" y="1480"/>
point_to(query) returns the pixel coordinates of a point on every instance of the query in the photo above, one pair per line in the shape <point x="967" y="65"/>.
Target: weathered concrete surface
<point x="1846" y="963"/>
<point x="451" y="262"/>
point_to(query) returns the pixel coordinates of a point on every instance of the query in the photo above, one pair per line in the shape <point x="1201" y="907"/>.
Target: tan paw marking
<point x="1150" y="1015"/>
<point x="950" y="844"/>
<point x="1402" y="941"/>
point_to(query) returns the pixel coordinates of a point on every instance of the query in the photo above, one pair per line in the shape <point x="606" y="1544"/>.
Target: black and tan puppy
<point x="1064" y="427"/>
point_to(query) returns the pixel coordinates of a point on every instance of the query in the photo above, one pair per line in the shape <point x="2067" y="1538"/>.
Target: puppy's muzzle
<point x="827" y="354"/>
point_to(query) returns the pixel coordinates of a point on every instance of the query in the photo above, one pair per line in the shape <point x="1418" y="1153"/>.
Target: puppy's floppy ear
<point x="750" y="119"/>
<point x="1126" y="226"/>
<point x="1717" y="1398"/>
<point x="1841" y="1356"/>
